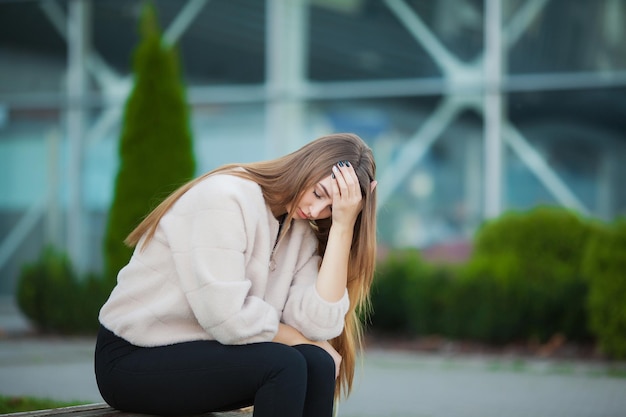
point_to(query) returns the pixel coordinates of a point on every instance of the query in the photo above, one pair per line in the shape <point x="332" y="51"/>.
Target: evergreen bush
<point x="156" y="150"/>
<point x="156" y="156"/>
<point x="605" y="266"/>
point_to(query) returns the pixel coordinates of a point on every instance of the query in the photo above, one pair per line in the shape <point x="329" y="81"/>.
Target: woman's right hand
<point x="346" y="195"/>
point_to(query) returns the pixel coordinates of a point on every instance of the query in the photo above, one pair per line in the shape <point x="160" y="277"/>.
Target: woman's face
<point x="317" y="202"/>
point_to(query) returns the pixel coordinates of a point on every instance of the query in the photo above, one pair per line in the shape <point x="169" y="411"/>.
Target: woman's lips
<point x="302" y="215"/>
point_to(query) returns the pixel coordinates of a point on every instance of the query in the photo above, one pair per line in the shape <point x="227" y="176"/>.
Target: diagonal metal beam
<point x="183" y="20"/>
<point x="415" y="149"/>
<point x="520" y="22"/>
<point x="56" y="15"/>
<point x="537" y="164"/>
<point x="446" y="61"/>
<point x="105" y="122"/>
<point x="22" y="228"/>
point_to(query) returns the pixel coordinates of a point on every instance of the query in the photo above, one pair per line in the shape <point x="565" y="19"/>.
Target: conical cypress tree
<point x="156" y="147"/>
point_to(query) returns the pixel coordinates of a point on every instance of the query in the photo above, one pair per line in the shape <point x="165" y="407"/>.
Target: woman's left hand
<point x="346" y="194"/>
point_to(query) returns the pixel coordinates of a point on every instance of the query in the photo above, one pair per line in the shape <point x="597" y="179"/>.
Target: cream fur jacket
<point x="206" y="274"/>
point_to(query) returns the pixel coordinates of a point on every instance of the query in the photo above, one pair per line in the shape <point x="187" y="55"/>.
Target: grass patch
<point x="19" y="404"/>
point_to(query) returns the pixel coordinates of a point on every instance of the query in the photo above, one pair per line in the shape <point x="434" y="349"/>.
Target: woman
<point x="245" y="287"/>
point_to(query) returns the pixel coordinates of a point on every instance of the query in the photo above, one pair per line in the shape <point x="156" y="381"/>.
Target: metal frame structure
<point x="480" y="85"/>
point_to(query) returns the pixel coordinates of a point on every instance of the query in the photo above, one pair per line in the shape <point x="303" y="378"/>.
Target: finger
<point x="355" y="184"/>
<point x="342" y="179"/>
<point x="335" y="184"/>
<point x="352" y="172"/>
<point x="350" y="180"/>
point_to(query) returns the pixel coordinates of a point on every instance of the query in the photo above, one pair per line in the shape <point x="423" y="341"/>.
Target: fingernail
<point x="332" y="175"/>
<point x="340" y="163"/>
<point x="347" y="163"/>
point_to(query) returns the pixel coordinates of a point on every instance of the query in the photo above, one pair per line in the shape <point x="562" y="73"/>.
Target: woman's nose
<point x="316" y="209"/>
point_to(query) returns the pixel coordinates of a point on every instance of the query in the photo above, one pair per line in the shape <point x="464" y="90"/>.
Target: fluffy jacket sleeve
<point x="209" y="231"/>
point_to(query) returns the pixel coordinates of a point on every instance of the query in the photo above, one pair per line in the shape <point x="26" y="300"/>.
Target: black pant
<point x="198" y="377"/>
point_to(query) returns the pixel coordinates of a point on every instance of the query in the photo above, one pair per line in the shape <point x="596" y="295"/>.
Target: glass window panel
<point x="579" y="134"/>
<point x="29" y="42"/>
<point x="365" y="42"/>
<point x="573" y="36"/>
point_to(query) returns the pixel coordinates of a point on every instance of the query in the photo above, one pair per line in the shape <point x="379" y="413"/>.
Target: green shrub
<point x="156" y="149"/>
<point x="481" y="308"/>
<point x="388" y="295"/>
<point x="428" y="297"/>
<point x="524" y="280"/>
<point x="50" y="294"/>
<point x="408" y="295"/>
<point x="605" y="265"/>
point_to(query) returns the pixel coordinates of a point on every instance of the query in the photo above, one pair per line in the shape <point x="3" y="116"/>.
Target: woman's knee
<point x="287" y="360"/>
<point x="318" y="360"/>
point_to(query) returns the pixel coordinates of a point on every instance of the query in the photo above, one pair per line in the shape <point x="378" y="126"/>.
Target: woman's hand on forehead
<point x="346" y="194"/>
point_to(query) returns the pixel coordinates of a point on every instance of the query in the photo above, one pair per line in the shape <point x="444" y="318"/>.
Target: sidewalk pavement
<point x="389" y="384"/>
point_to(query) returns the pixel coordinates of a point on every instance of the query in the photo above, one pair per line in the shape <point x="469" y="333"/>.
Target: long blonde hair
<point x="285" y="180"/>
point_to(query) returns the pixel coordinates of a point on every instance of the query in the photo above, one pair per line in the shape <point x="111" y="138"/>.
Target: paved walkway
<point x="390" y="384"/>
<point x="396" y="384"/>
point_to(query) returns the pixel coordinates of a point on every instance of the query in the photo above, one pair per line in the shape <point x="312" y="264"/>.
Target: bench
<point x="104" y="410"/>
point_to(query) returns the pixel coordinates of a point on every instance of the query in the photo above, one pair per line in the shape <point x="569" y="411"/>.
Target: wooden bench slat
<point x="104" y="410"/>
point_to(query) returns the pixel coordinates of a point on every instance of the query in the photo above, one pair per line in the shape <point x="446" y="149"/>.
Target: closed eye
<point x="316" y="195"/>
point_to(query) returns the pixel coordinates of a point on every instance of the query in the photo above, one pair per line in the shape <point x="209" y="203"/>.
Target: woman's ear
<point x="373" y="185"/>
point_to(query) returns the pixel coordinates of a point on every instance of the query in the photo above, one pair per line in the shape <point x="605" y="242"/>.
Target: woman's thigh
<point x="196" y="377"/>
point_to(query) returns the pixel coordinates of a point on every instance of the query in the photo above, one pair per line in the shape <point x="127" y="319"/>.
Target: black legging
<point x="198" y="377"/>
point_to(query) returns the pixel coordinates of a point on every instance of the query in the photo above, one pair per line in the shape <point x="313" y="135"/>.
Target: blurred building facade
<point x="472" y="107"/>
